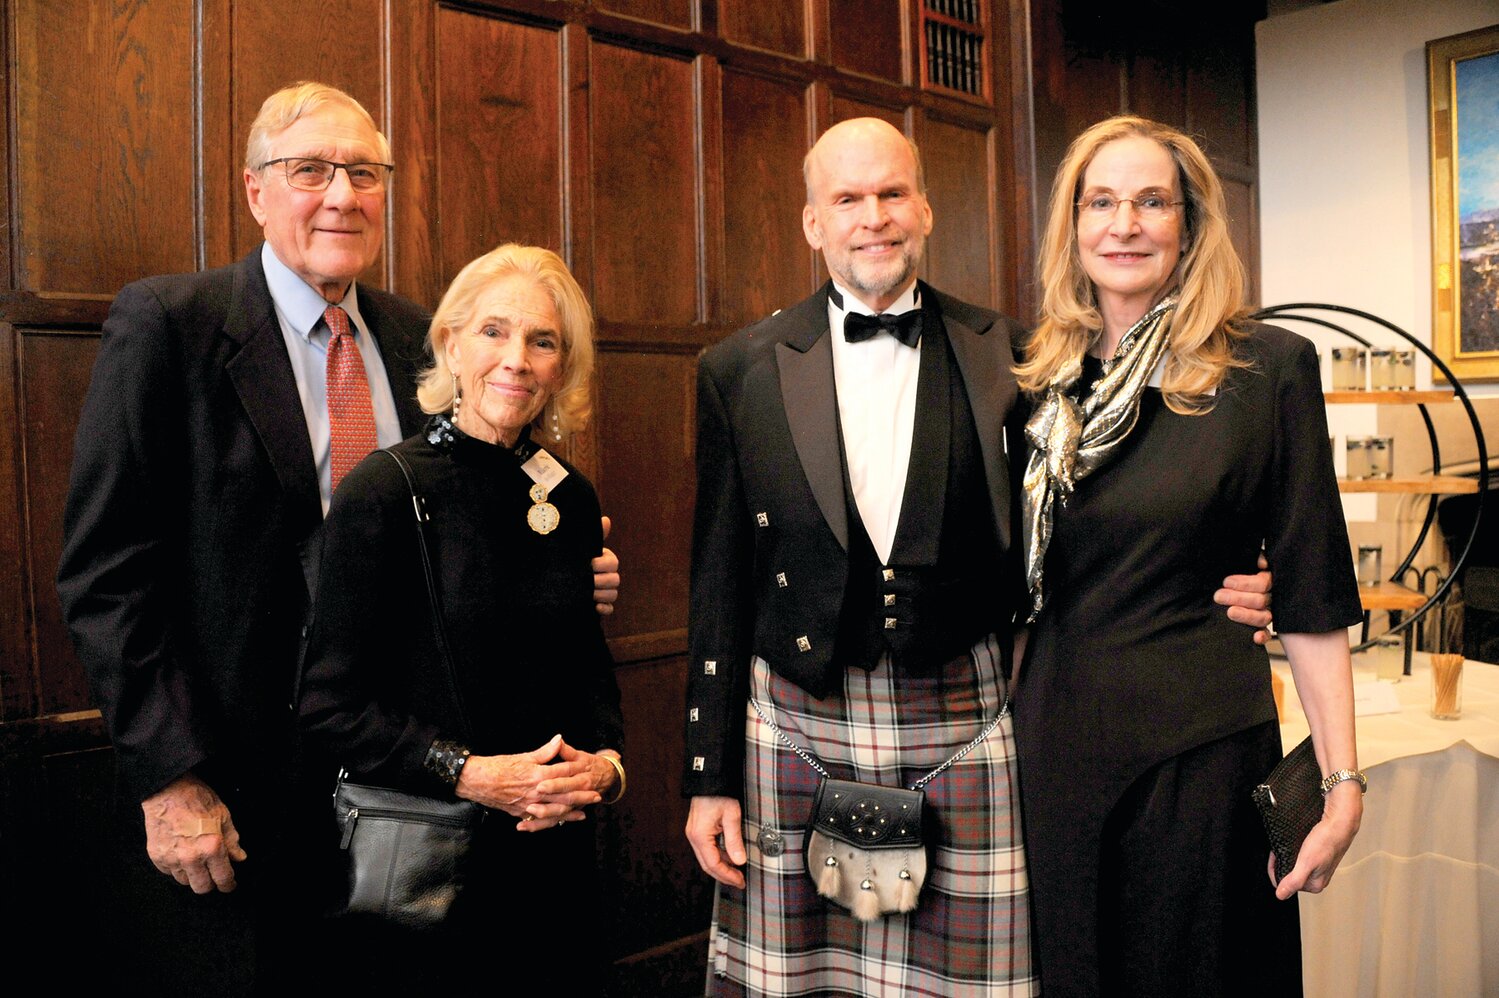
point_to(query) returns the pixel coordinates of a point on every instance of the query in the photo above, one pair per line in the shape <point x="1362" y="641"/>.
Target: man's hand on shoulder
<point x="707" y="819"/>
<point x="1248" y="600"/>
<point x="605" y="577"/>
<point x="191" y="837"/>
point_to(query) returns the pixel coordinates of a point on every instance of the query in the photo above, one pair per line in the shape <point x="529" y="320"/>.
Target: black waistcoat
<point x="943" y="588"/>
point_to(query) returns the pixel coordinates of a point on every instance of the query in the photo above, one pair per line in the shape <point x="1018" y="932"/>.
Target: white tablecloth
<point x="1414" y="907"/>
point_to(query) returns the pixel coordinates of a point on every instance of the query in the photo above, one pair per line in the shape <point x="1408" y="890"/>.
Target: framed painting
<point x="1463" y="77"/>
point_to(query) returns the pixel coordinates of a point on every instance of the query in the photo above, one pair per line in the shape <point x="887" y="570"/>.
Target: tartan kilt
<point x="970" y="932"/>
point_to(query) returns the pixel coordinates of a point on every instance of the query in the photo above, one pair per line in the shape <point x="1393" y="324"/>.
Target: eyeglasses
<point x="1151" y="205"/>
<point x="307" y="174"/>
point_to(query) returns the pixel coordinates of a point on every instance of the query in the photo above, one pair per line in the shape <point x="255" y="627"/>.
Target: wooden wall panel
<point x="17" y="685"/>
<point x="845" y="107"/>
<point x="960" y="257"/>
<point x="767" y="260"/>
<point x="341" y="46"/>
<point x="659" y="893"/>
<point x="499" y="136"/>
<point x="865" y="37"/>
<point x="1244" y="230"/>
<point x="644" y="422"/>
<point x="1158" y="88"/>
<point x="644" y="178"/>
<point x="54" y="370"/>
<point x="104" y="167"/>
<point x="776" y="25"/>
<point x="673" y="13"/>
<point x="1220" y="97"/>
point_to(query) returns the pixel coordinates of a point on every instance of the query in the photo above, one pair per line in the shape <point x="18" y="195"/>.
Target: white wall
<point x="1345" y="175"/>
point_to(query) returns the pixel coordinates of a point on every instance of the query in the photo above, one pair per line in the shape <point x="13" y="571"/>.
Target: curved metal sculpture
<point x="1403" y="623"/>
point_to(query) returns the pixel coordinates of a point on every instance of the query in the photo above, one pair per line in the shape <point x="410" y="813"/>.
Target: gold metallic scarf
<point x="1069" y="442"/>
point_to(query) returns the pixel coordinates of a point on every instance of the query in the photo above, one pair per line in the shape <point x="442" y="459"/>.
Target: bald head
<point x="865" y="132"/>
<point x="866" y="209"/>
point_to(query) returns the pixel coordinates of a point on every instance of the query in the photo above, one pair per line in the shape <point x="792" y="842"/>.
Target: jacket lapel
<point x="262" y="377"/>
<point x="805" y="362"/>
<point x="984" y="371"/>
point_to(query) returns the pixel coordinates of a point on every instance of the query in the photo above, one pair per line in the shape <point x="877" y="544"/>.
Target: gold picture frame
<point x="1463" y="84"/>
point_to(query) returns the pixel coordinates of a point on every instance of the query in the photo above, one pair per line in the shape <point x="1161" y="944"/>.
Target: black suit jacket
<point x="771" y="531"/>
<point x="192" y="511"/>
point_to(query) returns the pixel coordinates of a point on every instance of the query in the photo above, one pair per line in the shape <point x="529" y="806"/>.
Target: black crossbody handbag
<point x="406" y="855"/>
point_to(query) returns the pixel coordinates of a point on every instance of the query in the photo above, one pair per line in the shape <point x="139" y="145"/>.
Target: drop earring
<point x="556" y="427"/>
<point x="457" y="397"/>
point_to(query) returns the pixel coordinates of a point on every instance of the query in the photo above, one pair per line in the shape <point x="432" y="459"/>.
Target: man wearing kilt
<point x="851" y="574"/>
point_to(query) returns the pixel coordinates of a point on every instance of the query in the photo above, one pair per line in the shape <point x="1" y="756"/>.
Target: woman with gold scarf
<point x="1172" y="437"/>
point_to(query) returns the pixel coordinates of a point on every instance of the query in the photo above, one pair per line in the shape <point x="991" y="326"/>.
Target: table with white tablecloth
<point x="1414" y="906"/>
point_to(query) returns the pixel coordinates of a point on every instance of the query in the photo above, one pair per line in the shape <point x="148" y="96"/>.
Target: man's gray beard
<point x="885" y="287"/>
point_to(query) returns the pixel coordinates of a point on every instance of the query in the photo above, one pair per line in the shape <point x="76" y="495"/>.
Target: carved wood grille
<point x="954" y="53"/>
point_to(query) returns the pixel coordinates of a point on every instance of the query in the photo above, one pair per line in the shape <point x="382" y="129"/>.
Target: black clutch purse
<point x="1290" y="803"/>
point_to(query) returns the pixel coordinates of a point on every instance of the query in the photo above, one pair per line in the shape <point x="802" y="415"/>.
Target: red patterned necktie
<point x="351" y="418"/>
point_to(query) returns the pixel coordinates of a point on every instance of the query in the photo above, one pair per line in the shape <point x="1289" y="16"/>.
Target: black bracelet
<point x="445" y="760"/>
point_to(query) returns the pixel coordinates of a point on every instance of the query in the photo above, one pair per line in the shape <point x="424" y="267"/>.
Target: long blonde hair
<point x="1209" y="276"/>
<point x="573" y="402"/>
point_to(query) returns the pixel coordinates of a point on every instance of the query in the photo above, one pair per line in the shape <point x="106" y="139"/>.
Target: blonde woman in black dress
<point x="1171" y="438"/>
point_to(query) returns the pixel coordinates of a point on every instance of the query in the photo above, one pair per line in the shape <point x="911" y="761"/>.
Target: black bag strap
<point x="439" y="629"/>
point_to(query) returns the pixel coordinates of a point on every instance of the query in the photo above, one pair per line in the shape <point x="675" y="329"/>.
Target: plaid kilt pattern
<point x="970" y="932"/>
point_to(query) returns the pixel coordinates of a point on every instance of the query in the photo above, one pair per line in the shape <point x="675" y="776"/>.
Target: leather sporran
<point x="406" y="855"/>
<point x="865" y="847"/>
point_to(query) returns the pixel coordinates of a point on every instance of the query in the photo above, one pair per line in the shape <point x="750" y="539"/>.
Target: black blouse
<point x="1131" y="661"/>
<point x="527" y="644"/>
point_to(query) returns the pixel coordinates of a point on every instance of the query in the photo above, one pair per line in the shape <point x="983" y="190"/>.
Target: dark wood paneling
<point x="54" y="370"/>
<point x="845" y="107"/>
<point x="1157" y="87"/>
<point x="412" y="249"/>
<point x="104" y="168"/>
<point x="866" y="37"/>
<point x="768" y="261"/>
<point x="499" y="136"/>
<point x="17" y="687"/>
<point x="776" y="25"/>
<point x="672" y="13"/>
<point x="341" y="46"/>
<point x="645" y="238"/>
<point x="660" y="894"/>
<point x="1220" y="96"/>
<point x="1244" y="228"/>
<point x="959" y="250"/>
<point x="645" y="428"/>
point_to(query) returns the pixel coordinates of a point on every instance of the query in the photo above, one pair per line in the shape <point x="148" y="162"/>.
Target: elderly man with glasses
<point x="224" y="408"/>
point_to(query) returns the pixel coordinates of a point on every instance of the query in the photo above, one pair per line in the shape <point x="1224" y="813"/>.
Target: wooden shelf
<point x="1390" y="596"/>
<point x="1418" y="484"/>
<point x="1390" y="397"/>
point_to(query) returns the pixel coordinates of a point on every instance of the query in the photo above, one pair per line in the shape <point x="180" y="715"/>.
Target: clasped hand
<point x="543" y="788"/>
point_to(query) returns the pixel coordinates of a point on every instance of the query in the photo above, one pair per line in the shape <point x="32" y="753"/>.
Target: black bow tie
<point x="906" y="327"/>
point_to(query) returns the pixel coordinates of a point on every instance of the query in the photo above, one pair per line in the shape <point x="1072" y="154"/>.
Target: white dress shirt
<point x="299" y="310"/>
<point x="876" y="386"/>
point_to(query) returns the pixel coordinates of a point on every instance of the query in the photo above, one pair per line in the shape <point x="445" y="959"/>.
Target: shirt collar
<point x="845" y="301"/>
<point x="301" y="307"/>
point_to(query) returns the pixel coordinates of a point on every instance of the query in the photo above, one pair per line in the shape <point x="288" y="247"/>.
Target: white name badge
<point x="544" y="469"/>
